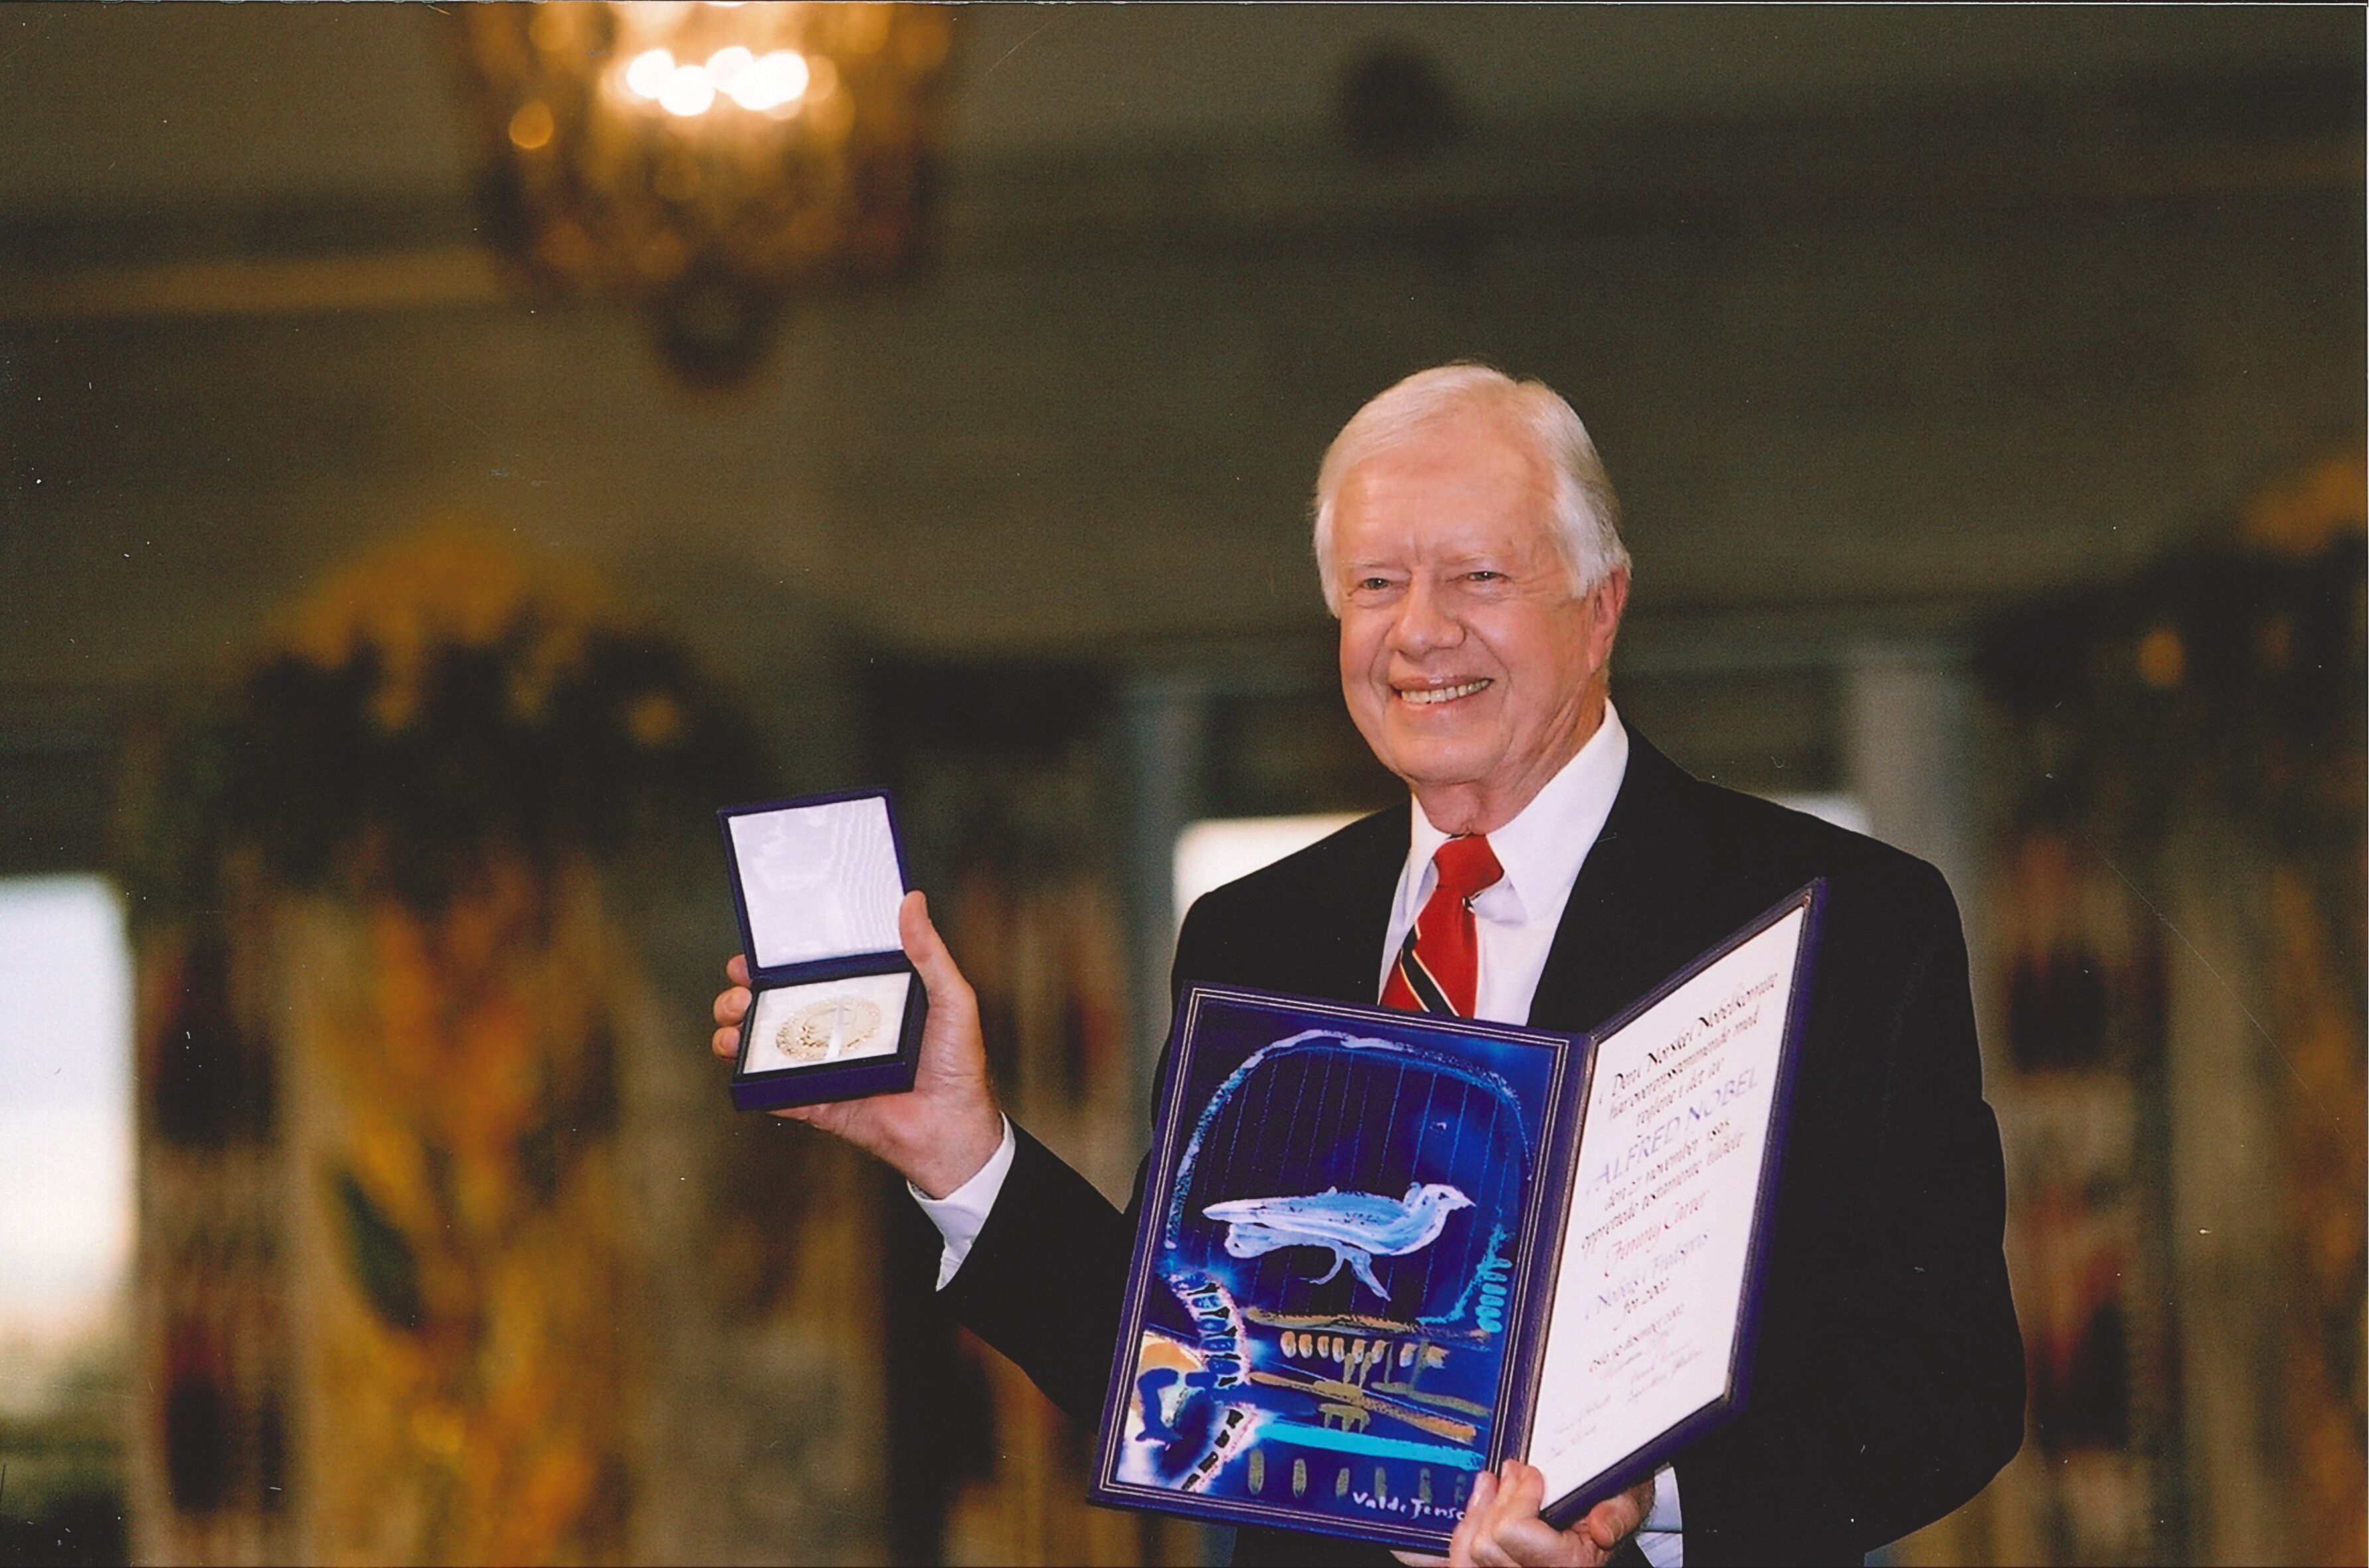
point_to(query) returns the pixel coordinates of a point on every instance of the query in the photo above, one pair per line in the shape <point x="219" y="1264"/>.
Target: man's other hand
<point x="1501" y="1526"/>
<point x="946" y="1127"/>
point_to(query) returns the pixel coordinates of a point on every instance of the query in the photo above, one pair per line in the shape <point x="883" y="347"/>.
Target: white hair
<point x="1586" y="513"/>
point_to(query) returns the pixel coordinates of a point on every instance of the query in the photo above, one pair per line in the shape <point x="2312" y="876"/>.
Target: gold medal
<point x="825" y="1031"/>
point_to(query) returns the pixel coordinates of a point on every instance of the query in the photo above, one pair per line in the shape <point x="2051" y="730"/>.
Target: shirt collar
<point x="1543" y="847"/>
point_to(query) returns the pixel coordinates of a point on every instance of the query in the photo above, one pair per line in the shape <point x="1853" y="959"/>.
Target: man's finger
<point x="1513" y="1533"/>
<point x="736" y="968"/>
<point x="1609" y="1523"/>
<point x="1488" y="1551"/>
<point x="726" y="1043"/>
<point x="1617" y="1519"/>
<point x="1459" y="1543"/>
<point x="731" y="1006"/>
<point x="1490" y="1548"/>
<point x="1531" y="1539"/>
<point x="1525" y="1487"/>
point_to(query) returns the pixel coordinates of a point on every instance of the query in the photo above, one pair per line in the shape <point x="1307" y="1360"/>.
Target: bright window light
<point x="65" y="1119"/>
<point x="1843" y="810"/>
<point x="1211" y="853"/>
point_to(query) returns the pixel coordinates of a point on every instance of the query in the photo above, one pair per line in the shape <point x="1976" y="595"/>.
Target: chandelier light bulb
<point x="647" y="76"/>
<point x="727" y="64"/>
<point x="770" y="81"/>
<point x="688" y="92"/>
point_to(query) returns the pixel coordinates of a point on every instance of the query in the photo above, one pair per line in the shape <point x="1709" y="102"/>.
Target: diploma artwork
<point x="1379" y="1252"/>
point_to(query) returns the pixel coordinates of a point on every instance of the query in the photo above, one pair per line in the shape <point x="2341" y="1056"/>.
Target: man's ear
<point x="1606" y="602"/>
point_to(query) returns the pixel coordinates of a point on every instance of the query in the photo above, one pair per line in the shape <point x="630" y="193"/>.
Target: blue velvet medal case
<point x="837" y="1011"/>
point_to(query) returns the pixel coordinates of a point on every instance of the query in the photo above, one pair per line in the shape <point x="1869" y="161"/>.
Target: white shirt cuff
<point x="1658" y="1538"/>
<point x="960" y="1215"/>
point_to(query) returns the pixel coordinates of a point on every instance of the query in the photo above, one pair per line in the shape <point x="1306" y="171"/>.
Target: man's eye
<point x="1486" y="575"/>
<point x="1372" y="585"/>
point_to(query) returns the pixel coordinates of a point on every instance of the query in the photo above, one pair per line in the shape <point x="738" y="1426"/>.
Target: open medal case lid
<point x="816" y="885"/>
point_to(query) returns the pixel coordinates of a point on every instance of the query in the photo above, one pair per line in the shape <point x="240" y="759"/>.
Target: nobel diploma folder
<point x="837" y="1012"/>
<point x="1381" y="1252"/>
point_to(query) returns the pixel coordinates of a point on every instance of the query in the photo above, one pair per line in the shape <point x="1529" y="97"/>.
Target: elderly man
<point x="1468" y="544"/>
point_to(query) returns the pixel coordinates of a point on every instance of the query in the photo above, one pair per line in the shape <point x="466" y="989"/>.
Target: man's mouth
<point x="1426" y="696"/>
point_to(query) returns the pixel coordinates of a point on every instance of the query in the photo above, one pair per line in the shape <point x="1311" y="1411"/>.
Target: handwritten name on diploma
<point x="1653" y="1265"/>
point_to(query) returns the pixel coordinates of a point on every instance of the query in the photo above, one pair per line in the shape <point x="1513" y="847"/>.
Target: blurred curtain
<point x="2179" y="925"/>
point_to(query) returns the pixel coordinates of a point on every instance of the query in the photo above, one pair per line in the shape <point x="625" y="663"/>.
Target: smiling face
<point x="1469" y="664"/>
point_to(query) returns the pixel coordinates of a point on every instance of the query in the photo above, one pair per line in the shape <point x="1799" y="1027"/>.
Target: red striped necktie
<point x="1438" y="969"/>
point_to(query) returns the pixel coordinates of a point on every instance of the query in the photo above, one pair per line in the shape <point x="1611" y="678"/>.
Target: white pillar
<point x="1908" y="713"/>
<point x="2231" y="1248"/>
<point x="1164" y="725"/>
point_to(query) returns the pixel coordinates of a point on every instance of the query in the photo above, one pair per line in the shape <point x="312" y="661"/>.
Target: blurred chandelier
<point x="710" y="160"/>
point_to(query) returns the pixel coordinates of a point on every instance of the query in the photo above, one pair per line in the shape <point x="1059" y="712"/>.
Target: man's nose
<point x="1426" y="620"/>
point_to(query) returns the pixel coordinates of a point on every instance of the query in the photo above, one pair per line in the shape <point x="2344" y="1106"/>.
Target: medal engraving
<point x="826" y="1030"/>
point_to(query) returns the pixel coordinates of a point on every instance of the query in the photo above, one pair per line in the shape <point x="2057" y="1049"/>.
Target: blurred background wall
<point x="1985" y="392"/>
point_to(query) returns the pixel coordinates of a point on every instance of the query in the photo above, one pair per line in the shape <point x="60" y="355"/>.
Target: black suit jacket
<point x="1888" y="1380"/>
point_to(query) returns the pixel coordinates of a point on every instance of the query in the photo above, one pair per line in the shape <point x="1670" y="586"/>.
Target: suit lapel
<point x="1613" y="945"/>
<point x="1345" y="953"/>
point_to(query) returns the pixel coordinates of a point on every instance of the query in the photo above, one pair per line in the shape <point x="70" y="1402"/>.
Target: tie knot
<point x="1466" y="865"/>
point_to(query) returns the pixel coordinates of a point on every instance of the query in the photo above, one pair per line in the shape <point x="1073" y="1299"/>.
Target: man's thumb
<point x="927" y="949"/>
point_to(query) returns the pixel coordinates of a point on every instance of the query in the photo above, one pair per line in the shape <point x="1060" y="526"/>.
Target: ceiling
<point x="113" y="110"/>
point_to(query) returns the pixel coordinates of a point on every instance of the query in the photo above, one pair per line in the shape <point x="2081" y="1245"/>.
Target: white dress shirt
<point x="1541" y="850"/>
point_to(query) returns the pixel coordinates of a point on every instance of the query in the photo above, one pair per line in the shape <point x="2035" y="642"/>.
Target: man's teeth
<point x="1443" y="693"/>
